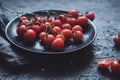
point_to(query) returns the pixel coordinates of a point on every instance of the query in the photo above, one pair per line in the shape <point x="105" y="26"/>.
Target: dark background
<point x="80" y="66"/>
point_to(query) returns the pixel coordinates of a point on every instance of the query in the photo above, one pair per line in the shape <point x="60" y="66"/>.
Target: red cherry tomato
<point x="23" y="18"/>
<point x="37" y="20"/>
<point x="56" y="30"/>
<point x="77" y="35"/>
<point x="48" y="40"/>
<point x="115" y="66"/>
<point x="90" y="15"/>
<point x="67" y="33"/>
<point x="104" y="63"/>
<point x="82" y="20"/>
<point x="57" y="23"/>
<point x="60" y="36"/>
<point x="66" y="26"/>
<point x="25" y="22"/>
<point x="36" y="28"/>
<point x="62" y="18"/>
<point x="77" y="28"/>
<point x="58" y="44"/>
<point x="47" y="19"/>
<point x="42" y="35"/>
<point x="47" y="27"/>
<point x="73" y="13"/>
<point x="72" y="21"/>
<point x="117" y="40"/>
<point x="21" y="30"/>
<point x="29" y="35"/>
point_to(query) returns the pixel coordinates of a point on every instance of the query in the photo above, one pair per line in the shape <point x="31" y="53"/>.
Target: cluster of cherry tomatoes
<point x="54" y="32"/>
<point x="106" y="63"/>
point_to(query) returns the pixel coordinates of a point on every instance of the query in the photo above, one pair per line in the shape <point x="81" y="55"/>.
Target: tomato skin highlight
<point x="104" y="63"/>
<point x="115" y="66"/>
<point x="30" y="36"/>
<point x="58" y="44"/>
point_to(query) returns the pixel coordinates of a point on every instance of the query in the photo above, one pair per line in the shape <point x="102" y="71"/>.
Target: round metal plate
<point x="89" y="34"/>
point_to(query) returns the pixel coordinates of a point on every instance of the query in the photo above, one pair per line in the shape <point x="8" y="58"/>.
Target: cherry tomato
<point x="72" y="21"/>
<point x="23" y="18"/>
<point x="58" y="44"/>
<point x="21" y="30"/>
<point x="117" y="40"/>
<point x="77" y="35"/>
<point x="36" y="28"/>
<point x="66" y="26"/>
<point x="77" y="28"/>
<point x="67" y="33"/>
<point x="60" y="36"/>
<point x="56" y="30"/>
<point x="37" y="20"/>
<point x="82" y="21"/>
<point x="57" y="23"/>
<point x="42" y="35"/>
<point x="90" y="15"/>
<point x="73" y="13"/>
<point x="115" y="66"/>
<point x="104" y="63"/>
<point x="62" y="18"/>
<point x="47" y="19"/>
<point x="48" y="40"/>
<point x="29" y="35"/>
<point x="25" y="22"/>
<point x="47" y="26"/>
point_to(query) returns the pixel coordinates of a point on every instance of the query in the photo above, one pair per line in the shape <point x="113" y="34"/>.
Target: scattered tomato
<point x="115" y="66"/>
<point x="104" y="63"/>
<point x="117" y="40"/>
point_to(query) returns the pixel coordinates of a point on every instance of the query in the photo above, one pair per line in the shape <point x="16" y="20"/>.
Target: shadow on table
<point x="55" y="65"/>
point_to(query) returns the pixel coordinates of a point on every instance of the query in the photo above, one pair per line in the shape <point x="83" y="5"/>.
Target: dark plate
<point x="89" y="33"/>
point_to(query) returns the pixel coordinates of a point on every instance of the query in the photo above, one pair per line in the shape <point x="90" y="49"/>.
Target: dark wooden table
<point x="80" y="66"/>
